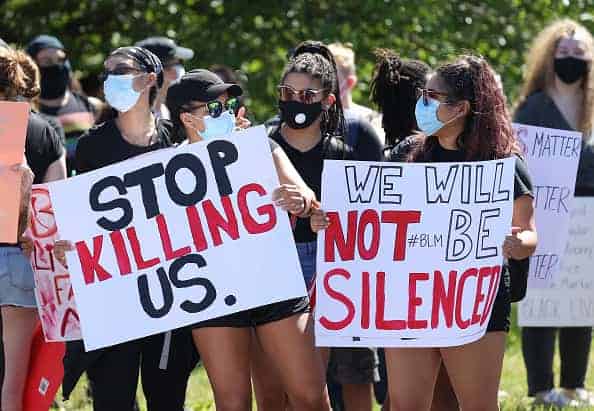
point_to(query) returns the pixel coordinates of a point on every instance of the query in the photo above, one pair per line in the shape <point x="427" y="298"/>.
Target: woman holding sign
<point x="463" y="117"/>
<point x="46" y="157"/>
<point x="559" y="94"/>
<point x="202" y="107"/>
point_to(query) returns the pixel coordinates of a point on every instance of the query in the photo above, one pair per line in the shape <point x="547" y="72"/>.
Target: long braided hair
<point x="315" y="59"/>
<point x="394" y="91"/>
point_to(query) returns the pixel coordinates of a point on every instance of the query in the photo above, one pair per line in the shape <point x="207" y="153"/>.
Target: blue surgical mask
<point x="426" y="115"/>
<point x="218" y="126"/>
<point x="119" y="91"/>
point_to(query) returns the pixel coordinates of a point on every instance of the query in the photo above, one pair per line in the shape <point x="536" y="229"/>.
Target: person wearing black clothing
<point x="45" y="156"/>
<point x="463" y="117"/>
<point x="74" y="111"/>
<point x="133" y="77"/>
<point x="564" y="100"/>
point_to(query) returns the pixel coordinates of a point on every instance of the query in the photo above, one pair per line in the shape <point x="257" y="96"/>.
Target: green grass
<point x="200" y="397"/>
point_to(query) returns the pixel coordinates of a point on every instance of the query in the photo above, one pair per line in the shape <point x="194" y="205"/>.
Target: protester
<point x="559" y="93"/>
<point x="282" y="328"/>
<point x="133" y="77"/>
<point x="172" y="57"/>
<point x="463" y="117"/>
<point x="75" y="112"/>
<point x="45" y="155"/>
<point x="394" y="91"/>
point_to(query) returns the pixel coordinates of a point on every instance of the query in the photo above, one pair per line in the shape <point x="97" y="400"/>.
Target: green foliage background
<point x="254" y="35"/>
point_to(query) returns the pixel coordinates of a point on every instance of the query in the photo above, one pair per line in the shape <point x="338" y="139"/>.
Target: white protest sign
<point x="569" y="300"/>
<point x="53" y="291"/>
<point x="175" y="237"/>
<point x="413" y="252"/>
<point x="552" y="157"/>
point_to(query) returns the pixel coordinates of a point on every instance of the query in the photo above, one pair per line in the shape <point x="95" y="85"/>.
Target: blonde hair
<point x="540" y="73"/>
<point x="344" y="56"/>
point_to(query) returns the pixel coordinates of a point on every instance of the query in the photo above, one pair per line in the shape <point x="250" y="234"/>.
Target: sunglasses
<point x="118" y="71"/>
<point x="307" y="96"/>
<point x="427" y="94"/>
<point x="215" y="108"/>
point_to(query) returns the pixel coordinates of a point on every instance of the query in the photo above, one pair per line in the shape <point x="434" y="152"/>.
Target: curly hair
<point x="394" y="91"/>
<point x="487" y="133"/>
<point x="32" y="75"/>
<point x="13" y="81"/>
<point x="315" y="59"/>
<point x="540" y="73"/>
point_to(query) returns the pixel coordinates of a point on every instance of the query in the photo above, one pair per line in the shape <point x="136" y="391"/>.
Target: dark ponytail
<point x="315" y="59"/>
<point x="393" y="90"/>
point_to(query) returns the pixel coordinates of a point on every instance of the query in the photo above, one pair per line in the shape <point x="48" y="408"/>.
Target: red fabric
<point x="46" y="371"/>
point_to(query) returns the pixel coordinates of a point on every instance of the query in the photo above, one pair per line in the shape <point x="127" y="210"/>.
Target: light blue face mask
<point x="426" y="116"/>
<point x="218" y="126"/>
<point x="119" y="91"/>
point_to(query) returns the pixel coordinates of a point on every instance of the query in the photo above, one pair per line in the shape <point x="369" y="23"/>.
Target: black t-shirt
<point x="42" y="146"/>
<point x="309" y="164"/>
<point x="540" y="110"/>
<point x="104" y="145"/>
<point x="363" y="139"/>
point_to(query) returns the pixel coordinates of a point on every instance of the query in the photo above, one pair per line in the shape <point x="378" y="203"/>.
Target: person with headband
<point x="132" y="79"/>
<point x="75" y="112"/>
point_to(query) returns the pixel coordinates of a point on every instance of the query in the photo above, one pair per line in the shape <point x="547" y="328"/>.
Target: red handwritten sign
<point x="55" y="298"/>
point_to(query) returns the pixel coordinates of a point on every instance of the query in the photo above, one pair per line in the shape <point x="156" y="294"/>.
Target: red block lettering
<point x="338" y="296"/>
<point x="368" y="217"/>
<point x="380" y="295"/>
<point x="335" y="237"/>
<point x="365" y="291"/>
<point x="119" y="247"/>
<point x="90" y="263"/>
<point x="141" y="263"/>
<point x="196" y="228"/>
<point x="463" y="324"/>
<point x="492" y="293"/>
<point x="443" y="299"/>
<point x="170" y="253"/>
<point x="251" y="225"/>
<point x="216" y="221"/>
<point x="479" y="297"/>
<point x="414" y="301"/>
<point x="402" y="219"/>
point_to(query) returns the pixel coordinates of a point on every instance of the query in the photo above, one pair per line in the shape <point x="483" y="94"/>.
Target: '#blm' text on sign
<point x="175" y="237"/>
<point x="552" y="157"/>
<point x="53" y="291"/>
<point x="413" y="252"/>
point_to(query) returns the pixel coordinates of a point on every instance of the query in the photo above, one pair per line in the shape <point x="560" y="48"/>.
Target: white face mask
<point x="119" y="91"/>
<point x="179" y="72"/>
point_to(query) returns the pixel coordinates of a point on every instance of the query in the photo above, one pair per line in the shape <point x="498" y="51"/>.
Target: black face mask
<point x="298" y="115"/>
<point x="54" y="81"/>
<point x="570" y="69"/>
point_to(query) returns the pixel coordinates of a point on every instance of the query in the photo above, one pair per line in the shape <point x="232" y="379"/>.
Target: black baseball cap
<point x="199" y="85"/>
<point x="41" y="42"/>
<point x="166" y="49"/>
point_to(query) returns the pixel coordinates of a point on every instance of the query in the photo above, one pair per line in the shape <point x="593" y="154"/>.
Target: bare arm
<point x="56" y="170"/>
<point x="290" y="178"/>
<point x="522" y="242"/>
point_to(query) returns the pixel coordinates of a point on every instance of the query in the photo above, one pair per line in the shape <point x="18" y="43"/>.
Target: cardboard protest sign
<point x="175" y="237"/>
<point x="552" y="157"/>
<point x="413" y="252"/>
<point x="53" y="291"/>
<point x="13" y="129"/>
<point x="569" y="300"/>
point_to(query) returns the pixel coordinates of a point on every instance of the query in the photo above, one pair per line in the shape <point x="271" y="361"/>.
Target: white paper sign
<point x="552" y="157"/>
<point x="569" y="301"/>
<point x="176" y="237"/>
<point x="412" y="255"/>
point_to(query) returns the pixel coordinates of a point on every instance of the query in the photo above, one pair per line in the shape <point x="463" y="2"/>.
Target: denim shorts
<point x="307" y="258"/>
<point x="16" y="278"/>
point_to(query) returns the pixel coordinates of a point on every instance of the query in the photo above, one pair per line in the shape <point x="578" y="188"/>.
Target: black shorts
<point x="260" y="315"/>
<point x="500" y="316"/>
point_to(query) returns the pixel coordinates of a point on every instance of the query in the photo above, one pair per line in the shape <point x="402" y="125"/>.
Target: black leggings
<point x="114" y="376"/>
<point x="538" y="347"/>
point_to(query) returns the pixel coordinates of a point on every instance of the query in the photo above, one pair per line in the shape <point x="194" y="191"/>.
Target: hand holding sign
<point x="289" y="198"/>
